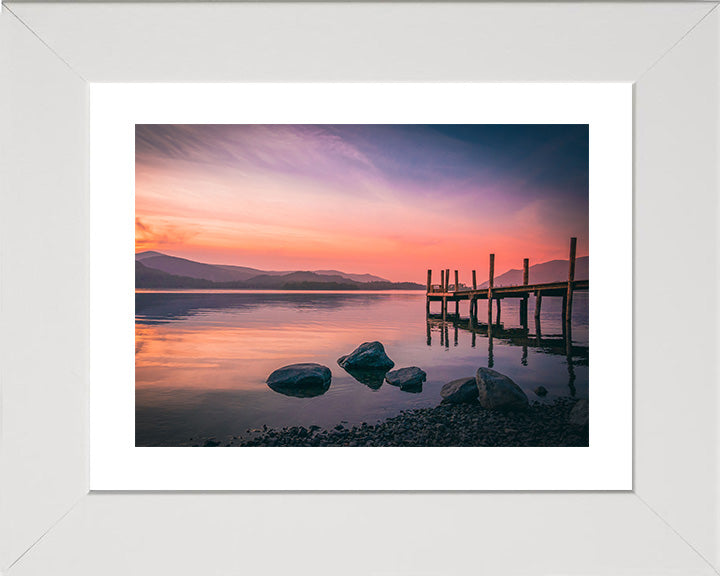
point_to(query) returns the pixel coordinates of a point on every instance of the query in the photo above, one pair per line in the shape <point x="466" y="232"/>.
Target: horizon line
<point x="355" y="273"/>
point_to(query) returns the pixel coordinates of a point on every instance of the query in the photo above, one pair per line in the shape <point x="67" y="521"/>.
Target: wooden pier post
<point x="497" y="317"/>
<point x="524" y="301"/>
<point x="442" y="289"/>
<point x="491" y="281"/>
<point x="447" y="279"/>
<point x="571" y="279"/>
<point x="429" y="289"/>
<point x="457" y="302"/>
<point x="473" y="301"/>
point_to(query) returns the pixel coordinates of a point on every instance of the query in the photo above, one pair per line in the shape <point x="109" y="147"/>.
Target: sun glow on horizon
<point x="391" y="201"/>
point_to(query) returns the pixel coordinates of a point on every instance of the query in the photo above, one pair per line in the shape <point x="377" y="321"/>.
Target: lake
<point x="202" y="358"/>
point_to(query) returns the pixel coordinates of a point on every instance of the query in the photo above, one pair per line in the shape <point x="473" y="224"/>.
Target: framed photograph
<point x="275" y="268"/>
<point x="259" y="256"/>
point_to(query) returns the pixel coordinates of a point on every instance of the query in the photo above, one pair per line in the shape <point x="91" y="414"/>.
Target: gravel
<point x="444" y="425"/>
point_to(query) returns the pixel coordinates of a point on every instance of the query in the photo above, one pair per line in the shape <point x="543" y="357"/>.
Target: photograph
<point x="362" y="285"/>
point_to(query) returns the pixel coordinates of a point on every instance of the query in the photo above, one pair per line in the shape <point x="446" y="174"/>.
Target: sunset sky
<point x="390" y="200"/>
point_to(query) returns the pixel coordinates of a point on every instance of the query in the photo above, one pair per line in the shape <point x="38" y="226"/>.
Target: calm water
<point x="202" y="358"/>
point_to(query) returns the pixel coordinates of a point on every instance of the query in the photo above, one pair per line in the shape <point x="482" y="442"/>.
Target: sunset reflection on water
<point x="202" y="359"/>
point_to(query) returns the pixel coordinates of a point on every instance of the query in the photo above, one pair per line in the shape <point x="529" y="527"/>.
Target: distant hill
<point x="355" y="277"/>
<point x="226" y="273"/>
<point x="267" y="281"/>
<point x="147" y="254"/>
<point x="147" y="276"/>
<point x="150" y="278"/>
<point x="552" y="271"/>
<point x="191" y="269"/>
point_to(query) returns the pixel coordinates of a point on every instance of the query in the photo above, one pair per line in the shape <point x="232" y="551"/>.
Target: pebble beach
<point x="468" y="424"/>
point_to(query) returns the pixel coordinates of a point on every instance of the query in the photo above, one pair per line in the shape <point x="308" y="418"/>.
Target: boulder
<point x="460" y="391"/>
<point x="580" y="414"/>
<point x="541" y="391"/>
<point x="498" y="392"/>
<point x="409" y="379"/>
<point x="367" y="356"/>
<point x="300" y="380"/>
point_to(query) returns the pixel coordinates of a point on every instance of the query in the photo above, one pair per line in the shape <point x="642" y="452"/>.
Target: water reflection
<point x="159" y="307"/>
<point x="415" y="388"/>
<point x="302" y="392"/>
<point x="202" y="360"/>
<point x="373" y="379"/>
<point x="558" y="345"/>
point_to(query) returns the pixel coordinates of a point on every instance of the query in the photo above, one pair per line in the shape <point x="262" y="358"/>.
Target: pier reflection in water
<point x="520" y="337"/>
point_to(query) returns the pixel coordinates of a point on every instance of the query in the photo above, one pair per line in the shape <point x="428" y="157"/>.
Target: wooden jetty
<point x="445" y="292"/>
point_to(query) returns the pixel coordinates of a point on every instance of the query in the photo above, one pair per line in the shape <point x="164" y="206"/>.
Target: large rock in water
<point x="460" y="391"/>
<point x="497" y="392"/>
<point x="367" y="356"/>
<point x="580" y="413"/>
<point x="409" y="379"/>
<point x="301" y="380"/>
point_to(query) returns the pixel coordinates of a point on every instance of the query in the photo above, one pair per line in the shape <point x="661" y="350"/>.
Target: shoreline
<point x="446" y="425"/>
<point x="420" y="291"/>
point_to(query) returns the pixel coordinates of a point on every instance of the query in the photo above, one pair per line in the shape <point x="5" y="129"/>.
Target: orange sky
<point x="386" y="200"/>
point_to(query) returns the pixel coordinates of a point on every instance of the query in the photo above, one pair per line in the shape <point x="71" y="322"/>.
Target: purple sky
<point x="392" y="200"/>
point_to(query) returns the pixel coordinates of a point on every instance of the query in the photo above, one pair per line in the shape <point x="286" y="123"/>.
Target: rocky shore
<point x="487" y="409"/>
<point x="445" y="425"/>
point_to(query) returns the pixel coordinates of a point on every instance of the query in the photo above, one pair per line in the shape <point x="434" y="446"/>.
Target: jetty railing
<point x="446" y="292"/>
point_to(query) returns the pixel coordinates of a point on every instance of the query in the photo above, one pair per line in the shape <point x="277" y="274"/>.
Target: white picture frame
<point x="49" y="523"/>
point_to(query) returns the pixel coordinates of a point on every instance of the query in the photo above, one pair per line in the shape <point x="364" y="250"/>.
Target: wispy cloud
<point x="161" y="236"/>
<point x="391" y="200"/>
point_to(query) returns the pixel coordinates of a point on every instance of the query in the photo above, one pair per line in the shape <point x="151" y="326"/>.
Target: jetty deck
<point x="445" y="292"/>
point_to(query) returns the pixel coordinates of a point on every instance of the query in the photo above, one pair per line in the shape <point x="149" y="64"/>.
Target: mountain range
<point x="157" y="270"/>
<point x="224" y="273"/>
<point x="552" y="271"/>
